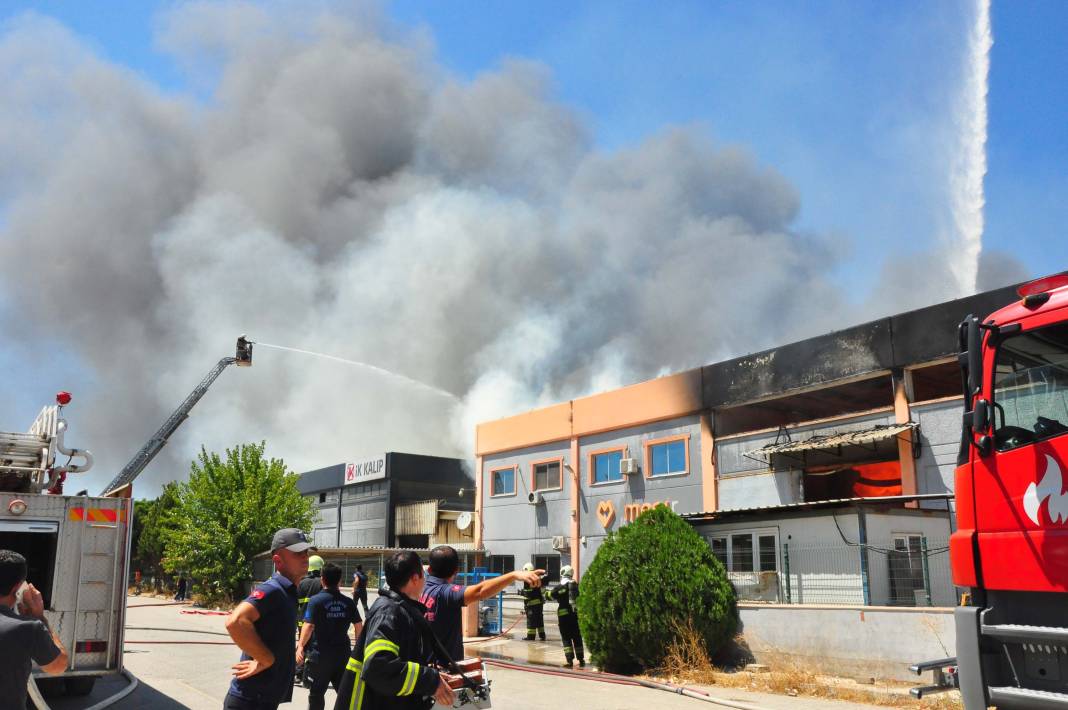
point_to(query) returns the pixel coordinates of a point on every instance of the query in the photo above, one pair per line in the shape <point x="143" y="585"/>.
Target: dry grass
<point x="688" y="663"/>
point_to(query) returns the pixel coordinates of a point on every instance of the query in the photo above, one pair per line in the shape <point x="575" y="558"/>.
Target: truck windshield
<point x="1031" y="387"/>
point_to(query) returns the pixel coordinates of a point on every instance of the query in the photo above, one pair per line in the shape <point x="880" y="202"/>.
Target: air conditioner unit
<point x="535" y="498"/>
<point x="628" y="467"/>
<point x="560" y="542"/>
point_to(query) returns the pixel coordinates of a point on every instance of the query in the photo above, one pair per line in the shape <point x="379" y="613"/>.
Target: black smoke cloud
<point x="340" y="191"/>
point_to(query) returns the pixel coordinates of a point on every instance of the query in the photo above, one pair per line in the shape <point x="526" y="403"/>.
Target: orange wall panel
<point x="539" y="426"/>
<point x="662" y="398"/>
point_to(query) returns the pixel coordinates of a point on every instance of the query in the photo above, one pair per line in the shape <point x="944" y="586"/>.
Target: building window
<point x="502" y="481"/>
<point x="906" y="564"/>
<point x="551" y="565"/>
<point x="604" y="466"/>
<point x="666" y="457"/>
<point x="547" y="475"/>
<point x="322" y="497"/>
<point x="501" y="564"/>
<point x="747" y="551"/>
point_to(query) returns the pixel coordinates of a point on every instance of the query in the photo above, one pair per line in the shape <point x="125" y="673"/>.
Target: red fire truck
<point x="1010" y="551"/>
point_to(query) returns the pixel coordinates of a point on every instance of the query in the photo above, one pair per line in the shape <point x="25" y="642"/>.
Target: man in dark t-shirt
<point x="25" y="637"/>
<point x="359" y="587"/>
<point x="263" y="626"/>
<point x="324" y="637"/>
<point x="443" y="599"/>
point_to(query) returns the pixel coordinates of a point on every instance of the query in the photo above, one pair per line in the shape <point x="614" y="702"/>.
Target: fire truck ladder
<point x="153" y="446"/>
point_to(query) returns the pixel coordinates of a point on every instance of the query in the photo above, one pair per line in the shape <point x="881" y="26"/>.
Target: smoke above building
<point x="337" y="190"/>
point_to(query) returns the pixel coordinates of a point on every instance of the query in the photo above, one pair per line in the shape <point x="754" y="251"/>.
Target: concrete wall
<point x="512" y="526"/>
<point x="682" y="491"/>
<point x="939" y="438"/>
<point x="862" y="642"/>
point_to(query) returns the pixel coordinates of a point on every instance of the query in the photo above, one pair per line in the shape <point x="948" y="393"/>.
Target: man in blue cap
<point x="263" y="626"/>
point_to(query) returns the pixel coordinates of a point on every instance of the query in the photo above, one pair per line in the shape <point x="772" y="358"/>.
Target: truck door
<point x="1021" y="503"/>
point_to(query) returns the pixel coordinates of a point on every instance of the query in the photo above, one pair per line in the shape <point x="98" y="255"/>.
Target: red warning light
<point x="63" y="398"/>
<point x="1042" y="285"/>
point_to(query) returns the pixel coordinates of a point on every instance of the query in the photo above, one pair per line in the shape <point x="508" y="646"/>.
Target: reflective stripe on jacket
<point x="387" y="668"/>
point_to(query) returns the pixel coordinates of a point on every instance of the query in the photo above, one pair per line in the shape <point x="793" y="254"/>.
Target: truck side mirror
<point x="975" y="358"/>
<point x="981" y="416"/>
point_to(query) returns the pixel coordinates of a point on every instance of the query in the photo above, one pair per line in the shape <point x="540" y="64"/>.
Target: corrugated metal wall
<point x="416" y="518"/>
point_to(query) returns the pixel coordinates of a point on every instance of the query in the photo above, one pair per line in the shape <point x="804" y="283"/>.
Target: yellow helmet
<point x="315" y="563"/>
<point x="528" y="567"/>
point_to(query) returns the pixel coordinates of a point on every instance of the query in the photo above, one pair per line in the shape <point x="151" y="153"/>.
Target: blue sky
<point x="832" y="94"/>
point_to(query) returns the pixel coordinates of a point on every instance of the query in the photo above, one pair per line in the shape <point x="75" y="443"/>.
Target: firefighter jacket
<point x="565" y="595"/>
<point x="306" y="589"/>
<point x="531" y="596"/>
<point x="388" y="666"/>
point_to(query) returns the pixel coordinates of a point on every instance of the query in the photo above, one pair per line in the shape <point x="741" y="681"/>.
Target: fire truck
<point x="1009" y="554"/>
<point x="77" y="547"/>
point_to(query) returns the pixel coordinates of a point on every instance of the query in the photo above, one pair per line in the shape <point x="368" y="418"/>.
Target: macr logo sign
<point x="631" y="511"/>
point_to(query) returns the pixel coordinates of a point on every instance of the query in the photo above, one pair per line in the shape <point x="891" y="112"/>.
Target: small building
<point x="392" y="500"/>
<point x="772" y="454"/>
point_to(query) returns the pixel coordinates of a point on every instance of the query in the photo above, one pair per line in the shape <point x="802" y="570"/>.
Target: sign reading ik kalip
<point x="371" y="469"/>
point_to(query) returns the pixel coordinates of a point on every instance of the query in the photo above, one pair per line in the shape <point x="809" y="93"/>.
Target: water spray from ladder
<point x="379" y="370"/>
<point x="969" y="165"/>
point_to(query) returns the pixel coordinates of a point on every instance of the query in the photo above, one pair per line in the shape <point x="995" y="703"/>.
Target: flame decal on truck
<point x="1050" y="488"/>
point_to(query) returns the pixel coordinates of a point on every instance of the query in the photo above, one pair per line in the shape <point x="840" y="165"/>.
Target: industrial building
<point x="842" y="441"/>
<point x="370" y="507"/>
<point x="391" y="500"/>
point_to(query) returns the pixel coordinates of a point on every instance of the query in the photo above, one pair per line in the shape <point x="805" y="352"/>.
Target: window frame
<point x="559" y="461"/>
<point x="592" y="466"/>
<point x="1046" y="323"/>
<point x="755" y="534"/>
<point x="515" y="475"/>
<point x="907" y="537"/>
<point x="648" y="456"/>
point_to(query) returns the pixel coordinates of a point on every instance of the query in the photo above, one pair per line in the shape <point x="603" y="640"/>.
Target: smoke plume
<point x="339" y="191"/>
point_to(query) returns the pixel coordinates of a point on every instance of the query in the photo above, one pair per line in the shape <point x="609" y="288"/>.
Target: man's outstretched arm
<point x="484" y="590"/>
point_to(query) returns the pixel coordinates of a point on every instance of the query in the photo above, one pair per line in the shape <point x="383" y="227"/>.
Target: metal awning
<point x="831" y="442"/>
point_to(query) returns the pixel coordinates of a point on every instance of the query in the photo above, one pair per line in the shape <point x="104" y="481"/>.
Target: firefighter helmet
<point x="567" y="571"/>
<point x="315" y="563"/>
<point x="528" y="567"/>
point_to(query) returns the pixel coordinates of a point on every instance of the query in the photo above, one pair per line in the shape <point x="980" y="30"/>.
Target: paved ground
<point x="190" y="669"/>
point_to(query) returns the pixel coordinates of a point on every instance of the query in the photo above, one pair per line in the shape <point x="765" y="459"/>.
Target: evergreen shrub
<point x="651" y="579"/>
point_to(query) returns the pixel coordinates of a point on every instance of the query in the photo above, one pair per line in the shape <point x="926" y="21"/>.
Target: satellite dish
<point x="464" y="521"/>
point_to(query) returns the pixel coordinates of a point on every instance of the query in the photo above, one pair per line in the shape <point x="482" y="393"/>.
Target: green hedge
<point x="653" y="576"/>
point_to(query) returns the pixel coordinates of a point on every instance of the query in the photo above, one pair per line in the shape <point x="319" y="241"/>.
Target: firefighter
<point x="311" y="585"/>
<point x="565" y="594"/>
<point x="388" y="667"/>
<point x="532" y="607"/>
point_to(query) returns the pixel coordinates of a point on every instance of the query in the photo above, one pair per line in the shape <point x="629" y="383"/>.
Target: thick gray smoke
<point x="339" y="191"/>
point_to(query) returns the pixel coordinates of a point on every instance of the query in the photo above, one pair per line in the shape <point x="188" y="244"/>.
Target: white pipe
<point x="61" y="427"/>
<point x="39" y="701"/>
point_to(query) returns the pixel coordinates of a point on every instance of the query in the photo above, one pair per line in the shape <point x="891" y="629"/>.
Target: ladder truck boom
<point x="142" y="458"/>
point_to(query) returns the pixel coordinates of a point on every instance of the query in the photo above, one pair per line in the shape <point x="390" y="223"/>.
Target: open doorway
<point x="36" y="541"/>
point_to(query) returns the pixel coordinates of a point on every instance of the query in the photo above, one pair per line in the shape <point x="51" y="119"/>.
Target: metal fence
<point x="911" y="571"/>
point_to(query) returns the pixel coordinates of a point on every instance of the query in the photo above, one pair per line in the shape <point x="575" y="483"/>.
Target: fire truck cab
<point x="1010" y="550"/>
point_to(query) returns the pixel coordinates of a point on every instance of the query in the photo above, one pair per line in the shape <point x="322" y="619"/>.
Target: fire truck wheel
<point x="80" y="685"/>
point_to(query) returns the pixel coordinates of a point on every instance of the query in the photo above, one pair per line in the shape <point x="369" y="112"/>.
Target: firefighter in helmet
<point x="532" y="607"/>
<point x="308" y="587"/>
<point x="565" y="594"/>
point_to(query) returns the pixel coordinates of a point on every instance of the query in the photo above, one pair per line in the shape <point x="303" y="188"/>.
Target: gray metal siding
<point x="939" y="438"/>
<point x="511" y="525"/>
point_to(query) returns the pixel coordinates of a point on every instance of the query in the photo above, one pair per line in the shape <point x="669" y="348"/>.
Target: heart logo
<point x="606" y="513"/>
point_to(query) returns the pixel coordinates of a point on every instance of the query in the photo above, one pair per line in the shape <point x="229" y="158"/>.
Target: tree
<point x="648" y="582"/>
<point x="151" y="520"/>
<point x="226" y="515"/>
